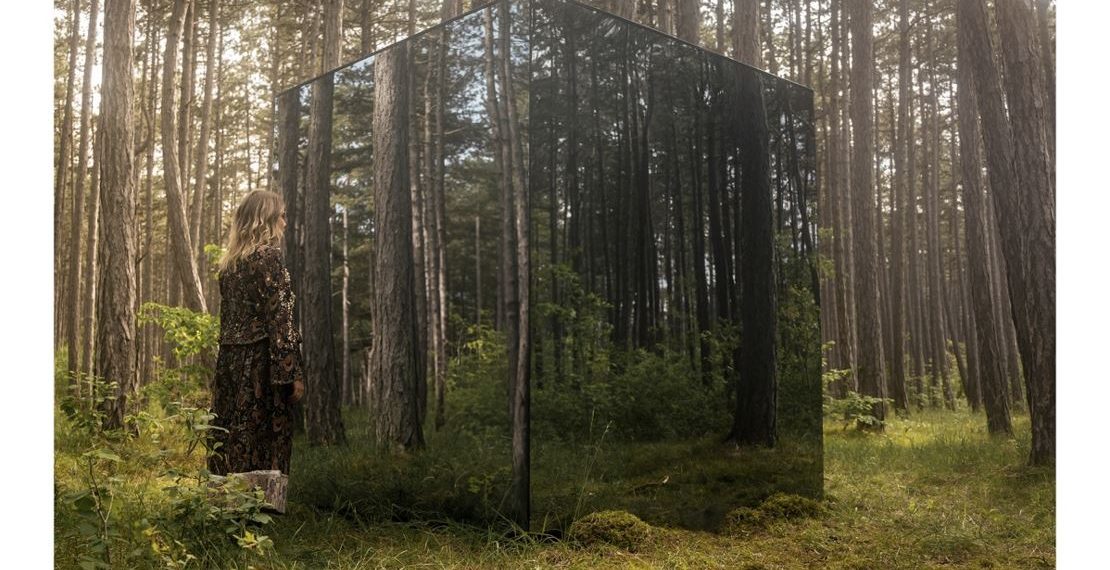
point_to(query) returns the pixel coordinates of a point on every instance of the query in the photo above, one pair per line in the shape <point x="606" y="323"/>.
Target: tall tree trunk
<point x="897" y="382"/>
<point x="914" y="301"/>
<point x="92" y="223"/>
<point x="754" y="419"/>
<point x="745" y="32"/>
<point x="688" y="20"/>
<point x="1025" y="213"/>
<point x="665" y="16"/>
<point x="72" y="304"/>
<point x="841" y="344"/>
<point x="1047" y="42"/>
<point x="957" y="316"/>
<point x="323" y="422"/>
<point x="1033" y="292"/>
<point x="182" y="250"/>
<point x="61" y="175"/>
<point x="1004" y="314"/>
<point x="938" y="301"/>
<point x="417" y="182"/>
<point x="870" y="368"/>
<point x="217" y="175"/>
<point x="520" y="397"/>
<point x="451" y="8"/>
<point x="185" y="120"/>
<point x="768" y="30"/>
<point x="993" y="381"/>
<point x="201" y="168"/>
<point x="840" y="190"/>
<point x="345" y="351"/>
<point x="149" y="338"/>
<point x="365" y="30"/>
<point x="115" y="358"/>
<point x="721" y="35"/>
<point x="395" y="364"/>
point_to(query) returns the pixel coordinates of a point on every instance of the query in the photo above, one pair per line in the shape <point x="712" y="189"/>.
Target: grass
<point x="932" y="491"/>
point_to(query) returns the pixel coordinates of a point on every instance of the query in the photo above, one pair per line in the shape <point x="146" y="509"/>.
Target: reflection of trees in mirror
<point x="620" y="219"/>
<point x="673" y="188"/>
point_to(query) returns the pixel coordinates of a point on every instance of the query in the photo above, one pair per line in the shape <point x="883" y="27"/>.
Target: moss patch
<point x="777" y="507"/>
<point x="619" y="528"/>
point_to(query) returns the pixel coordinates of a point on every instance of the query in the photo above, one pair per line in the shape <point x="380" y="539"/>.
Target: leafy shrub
<point x="619" y="528"/>
<point x="109" y="511"/>
<point x="189" y="332"/>
<point x="855" y="408"/>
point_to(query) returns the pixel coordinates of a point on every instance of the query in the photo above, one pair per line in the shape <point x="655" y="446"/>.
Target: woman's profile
<point x="258" y="367"/>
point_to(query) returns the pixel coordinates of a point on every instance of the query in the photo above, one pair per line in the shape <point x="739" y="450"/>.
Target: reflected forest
<point x="623" y="242"/>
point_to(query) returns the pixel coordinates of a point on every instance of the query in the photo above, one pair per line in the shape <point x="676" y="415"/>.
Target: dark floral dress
<point x="259" y="359"/>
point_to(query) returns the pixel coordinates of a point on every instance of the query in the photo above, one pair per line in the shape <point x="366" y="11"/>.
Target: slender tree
<point x="115" y="309"/>
<point x="61" y="176"/>
<point x="897" y="381"/>
<point x="73" y="317"/>
<point x="992" y="377"/>
<point x="181" y="244"/>
<point x="870" y="358"/>
<point x="520" y="367"/>
<point x="201" y="167"/>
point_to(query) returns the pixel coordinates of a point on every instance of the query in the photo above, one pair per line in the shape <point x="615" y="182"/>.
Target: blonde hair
<point x="255" y="224"/>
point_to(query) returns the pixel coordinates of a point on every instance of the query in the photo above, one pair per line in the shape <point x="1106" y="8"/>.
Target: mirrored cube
<point x="582" y="268"/>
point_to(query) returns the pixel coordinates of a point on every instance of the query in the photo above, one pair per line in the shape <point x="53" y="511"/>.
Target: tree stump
<point x="272" y="482"/>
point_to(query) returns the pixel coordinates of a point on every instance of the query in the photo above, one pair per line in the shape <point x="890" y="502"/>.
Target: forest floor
<point x="933" y="491"/>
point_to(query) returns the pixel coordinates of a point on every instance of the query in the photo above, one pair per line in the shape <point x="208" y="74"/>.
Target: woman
<point x="258" y="369"/>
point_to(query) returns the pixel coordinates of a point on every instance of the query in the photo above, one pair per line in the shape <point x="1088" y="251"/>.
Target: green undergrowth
<point x="931" y="491"/>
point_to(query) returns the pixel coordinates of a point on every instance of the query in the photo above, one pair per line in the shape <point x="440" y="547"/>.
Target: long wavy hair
<point x="255" y="224"/>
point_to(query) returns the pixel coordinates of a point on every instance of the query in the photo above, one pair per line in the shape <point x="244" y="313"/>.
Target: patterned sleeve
<point x="285" y="341"/>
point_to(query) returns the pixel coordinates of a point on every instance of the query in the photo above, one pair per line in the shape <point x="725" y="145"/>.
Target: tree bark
<point x="115" y="358"/>
<point x="149" y="338"/>
<point x="92" y="220"/>
<point x="1034" y="254"/>
<point x="344" y="303"/>
<point x="201" y="168"/>
<point x="897" y="382"/>
<point x="1047" y="42"/>
<point x="61" y="175"/>
<point x="188" y="89"/>
<point x="182" y="250"/>
<point x="993" y="381"/>
<point x="688" y="20"/>
<point x="451" y="8"/>
<point x="938" y="301"/>
<point x="323" y="422"/>
<point x="73" y="318"/>
<point x="520" y="398"/>
<point x="745" y="32"/>
<point x="395" y="363"/>
<point x="870" y="358"/>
